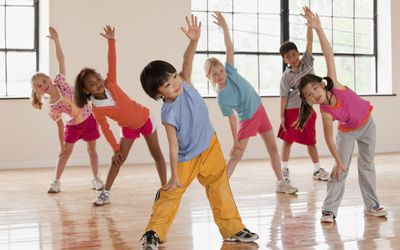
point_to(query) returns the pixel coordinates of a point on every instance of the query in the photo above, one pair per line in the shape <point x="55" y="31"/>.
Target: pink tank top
<point x="351" y="111"/>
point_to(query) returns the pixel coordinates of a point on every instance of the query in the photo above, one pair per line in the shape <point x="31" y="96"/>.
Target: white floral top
<point x="66" y="105"/>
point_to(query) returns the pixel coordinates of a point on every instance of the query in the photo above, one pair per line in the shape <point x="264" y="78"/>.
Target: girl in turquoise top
<point x="235" y="94"/>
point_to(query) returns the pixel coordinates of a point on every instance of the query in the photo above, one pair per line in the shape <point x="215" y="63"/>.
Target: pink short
<point x="88" y="130"/>
<point x="292" y="134"/>
<point x="147" y="129"/>
<point x="259" y="123"/>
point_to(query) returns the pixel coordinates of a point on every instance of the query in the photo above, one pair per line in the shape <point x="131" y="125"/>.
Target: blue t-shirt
<point x="189" y="115"/>
<point x="238" y="95"/>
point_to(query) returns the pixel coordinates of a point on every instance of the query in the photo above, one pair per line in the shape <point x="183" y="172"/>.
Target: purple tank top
<point x="351" y="111"/>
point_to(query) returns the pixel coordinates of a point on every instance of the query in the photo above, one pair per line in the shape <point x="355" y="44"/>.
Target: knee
<point x="91" y="151"/>
<point x="65" y="153"/>
<point x="273" y="149"/>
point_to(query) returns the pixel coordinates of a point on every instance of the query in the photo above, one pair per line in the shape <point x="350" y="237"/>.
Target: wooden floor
<point x="32" y="219"/>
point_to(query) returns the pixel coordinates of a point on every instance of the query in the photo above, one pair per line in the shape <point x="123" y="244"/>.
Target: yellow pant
<point x="210" y="169"/>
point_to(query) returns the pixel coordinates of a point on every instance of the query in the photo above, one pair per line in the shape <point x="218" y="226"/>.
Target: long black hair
<point x="306" y="108"/>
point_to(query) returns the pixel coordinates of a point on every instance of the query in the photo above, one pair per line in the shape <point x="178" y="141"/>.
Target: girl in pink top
<point x="338" y="102"/>
<point x="81" y="123"/>
<point x="109" y="101"/>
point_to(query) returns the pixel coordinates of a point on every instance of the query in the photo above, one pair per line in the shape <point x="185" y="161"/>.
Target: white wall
<point x="145" y="30"/>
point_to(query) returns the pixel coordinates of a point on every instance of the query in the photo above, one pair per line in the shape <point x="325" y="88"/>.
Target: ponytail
<point x="304" y="113"/>
<point x="36" y="100"/>
<point x="329" y="83"/>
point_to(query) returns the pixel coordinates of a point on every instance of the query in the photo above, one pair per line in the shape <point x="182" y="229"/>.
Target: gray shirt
<point x="291" y="79"/>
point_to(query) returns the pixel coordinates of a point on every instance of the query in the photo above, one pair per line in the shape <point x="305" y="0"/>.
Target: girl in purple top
<point x="81" y="124"/>
<point x="340" y="103"/>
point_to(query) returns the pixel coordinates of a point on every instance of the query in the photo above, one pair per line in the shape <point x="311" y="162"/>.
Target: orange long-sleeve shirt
<point x="126" y="112"/>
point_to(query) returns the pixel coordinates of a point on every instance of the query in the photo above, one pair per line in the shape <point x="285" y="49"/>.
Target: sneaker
<point x="150" y="241"/>
<point x="97" y="183"/>
<point x="327" y="217"/>
<point x="54" y="187"/>
<point x="243" y="236"/>
<point x="285" y="187"/>
<point x="285" y="173"/>
<point x="321" y="175"/>
<point x="376" y="211"/>
<point x="103" y="198"/>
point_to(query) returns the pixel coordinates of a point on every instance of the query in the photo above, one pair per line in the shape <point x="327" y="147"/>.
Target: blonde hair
<point x="209" y="64"/>
<point x="36" y="98"/>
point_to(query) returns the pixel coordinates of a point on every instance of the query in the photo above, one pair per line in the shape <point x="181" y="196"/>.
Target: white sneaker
<point x="97" y="183"/>
<point x="244" y="235"/>
<point x="376" y="211"/>
<point x="327" y="217"/>
<point x="54" y="187"/>
<point x="321" y="175"/>
<point x="285" y="173"/>
<point x="285" y="187"/>
<point x="103" y="198"/>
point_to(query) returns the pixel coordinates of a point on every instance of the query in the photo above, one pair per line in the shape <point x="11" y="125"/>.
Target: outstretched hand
<point x="53" y="35"/>
<point x="109" y="32"/>
<point x="312" y="18"/>
<point x="219" y="19"/>
<point x="193" y="28"/>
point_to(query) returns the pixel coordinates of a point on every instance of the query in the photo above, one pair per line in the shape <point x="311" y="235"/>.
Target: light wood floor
<point x="32" y="219"/>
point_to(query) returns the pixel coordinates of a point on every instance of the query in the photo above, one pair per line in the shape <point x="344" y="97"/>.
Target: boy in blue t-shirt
<point x="194" y="149"/>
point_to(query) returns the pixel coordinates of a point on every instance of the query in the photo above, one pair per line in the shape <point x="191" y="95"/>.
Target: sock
<point x="317" y="166"/>
<point x="284" y="164"/>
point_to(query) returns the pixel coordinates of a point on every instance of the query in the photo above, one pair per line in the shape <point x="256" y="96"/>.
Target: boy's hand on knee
<point x="172" y="183"/>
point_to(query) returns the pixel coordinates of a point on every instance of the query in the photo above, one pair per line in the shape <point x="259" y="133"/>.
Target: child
<point x="353" y="113"/>
<point x="81" y="125"/>
<point x="234" y="93"/>
<point x="108" y="100"/>
<point x="290" y="105"/>
<point x="194" y="149"/>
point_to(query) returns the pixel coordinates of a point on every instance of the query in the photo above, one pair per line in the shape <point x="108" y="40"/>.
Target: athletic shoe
<point x="54" y="187"/>
<point x="321" y="175"/>
<point x="327" y="217"/>
<point x="376" y="211"/>
<point x="285" y="187"/>
<point x="243" y="236"/>
<point x="103" y="198"/>
<point x="150" y="241"/>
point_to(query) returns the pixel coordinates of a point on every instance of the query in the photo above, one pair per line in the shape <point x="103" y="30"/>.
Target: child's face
<point x="41" y="84"/>
<point x="171" y="88"/>
<point x="292" y="58"/>
<point x="314" y="93"/>
<point x="217" y="75"/>
<point x="94" y="85"/>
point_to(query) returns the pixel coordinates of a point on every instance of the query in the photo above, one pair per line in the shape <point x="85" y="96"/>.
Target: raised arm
<point x="309" y="45"/>
<point x="193" y="33"/>
<point x="109" y="34"/>
<point x="220" y="21"/>
<point x="314" y="22"/>
<point x="53" y="35"/>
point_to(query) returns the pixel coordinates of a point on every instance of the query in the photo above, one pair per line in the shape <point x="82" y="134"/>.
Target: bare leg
<point x="94" y="159"/>
<point x="313" y="153"/>
<point x="156" y="153"/>
<point x="63" y="158"/>
<point x="125" y="146"/>
<point x="270" y="143"/>
<point x="235" y="156"/>
<point x="286" y="147"/>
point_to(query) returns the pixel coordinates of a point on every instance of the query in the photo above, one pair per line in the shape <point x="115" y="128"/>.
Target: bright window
<point x="258" y="27"/>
